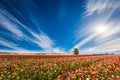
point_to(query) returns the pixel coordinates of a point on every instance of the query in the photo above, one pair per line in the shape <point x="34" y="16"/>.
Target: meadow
<point x="59" y="67"/>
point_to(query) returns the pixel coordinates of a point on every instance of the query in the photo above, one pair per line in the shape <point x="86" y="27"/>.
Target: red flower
<point x="32" y="79"/>
<point x="117" y="78"/>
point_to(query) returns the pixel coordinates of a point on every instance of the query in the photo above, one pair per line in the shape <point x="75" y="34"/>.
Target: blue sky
<point x="59" y="26"/>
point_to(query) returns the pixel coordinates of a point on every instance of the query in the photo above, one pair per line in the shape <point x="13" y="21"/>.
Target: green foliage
<point x="76" y="51"/>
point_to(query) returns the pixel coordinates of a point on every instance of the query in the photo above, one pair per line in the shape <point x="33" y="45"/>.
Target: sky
<point x="59" y="26"/>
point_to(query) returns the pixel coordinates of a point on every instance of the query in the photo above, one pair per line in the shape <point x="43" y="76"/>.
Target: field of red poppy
<point x="60" y="67"/>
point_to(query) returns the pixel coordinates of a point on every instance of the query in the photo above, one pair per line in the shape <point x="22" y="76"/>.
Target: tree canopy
<point x="76" y="51"/>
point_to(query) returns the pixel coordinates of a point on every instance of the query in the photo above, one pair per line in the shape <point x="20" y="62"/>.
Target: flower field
<point x="60" y="67"/>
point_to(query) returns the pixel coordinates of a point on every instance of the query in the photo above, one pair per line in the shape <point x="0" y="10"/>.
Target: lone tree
<point x="76" y="51"/>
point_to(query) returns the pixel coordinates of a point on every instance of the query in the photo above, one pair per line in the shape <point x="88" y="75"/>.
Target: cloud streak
<point x="103" y="13"/>
<point x="10" y="23"/>
<point x="101" y="6"/>
<point x="11" y="45"/>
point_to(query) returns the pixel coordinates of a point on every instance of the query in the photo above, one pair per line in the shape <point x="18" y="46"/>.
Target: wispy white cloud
<point x="109" y="46"/>
<point x="108" y="41"/>
<point x="59" y="50"/>
<point x="84" y="41"/>
<point x="8" y="25"/>
<point x="101" y="6"/>
<point x="40" y="39"/>
<point x="11" y="45"/>
<point x="44" y="42"/>
<point x="101" y="12"/>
